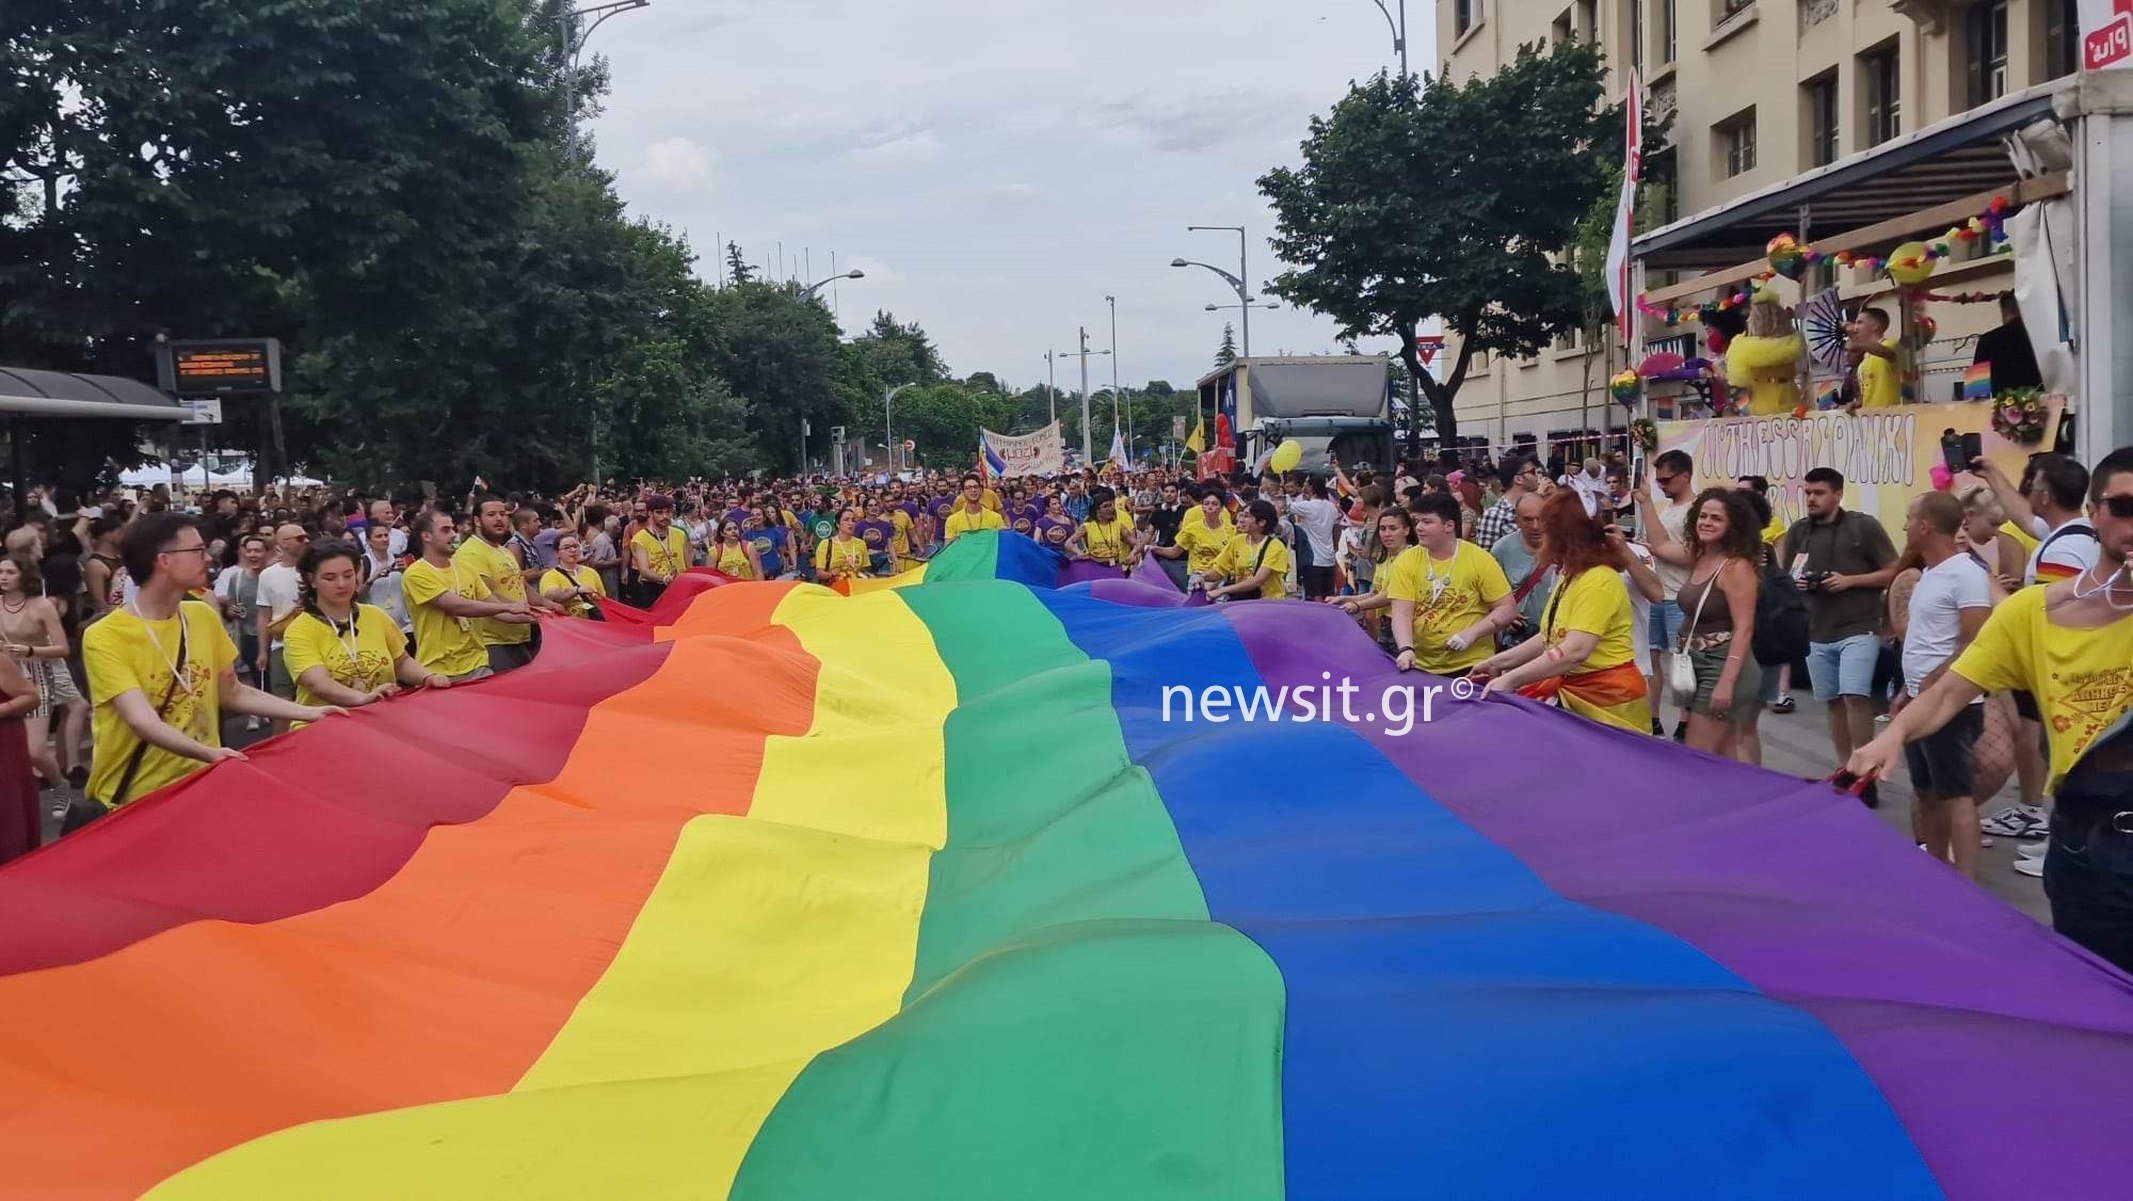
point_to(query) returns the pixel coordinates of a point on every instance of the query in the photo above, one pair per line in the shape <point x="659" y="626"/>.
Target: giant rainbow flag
<point x="915" y="893"/>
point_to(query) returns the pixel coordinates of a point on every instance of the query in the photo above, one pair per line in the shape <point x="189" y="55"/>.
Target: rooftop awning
<point x="34" y="393"/>
<point x="1942" y="162"/>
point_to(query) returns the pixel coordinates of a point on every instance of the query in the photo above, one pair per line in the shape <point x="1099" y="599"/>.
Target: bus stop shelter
<point x="27" y="394"/>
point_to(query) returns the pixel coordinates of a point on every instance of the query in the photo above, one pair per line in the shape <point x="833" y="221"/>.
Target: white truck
<point x="1336" y="406"/>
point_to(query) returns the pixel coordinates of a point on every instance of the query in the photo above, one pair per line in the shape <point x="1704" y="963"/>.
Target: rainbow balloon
<point x="916" y="893"/>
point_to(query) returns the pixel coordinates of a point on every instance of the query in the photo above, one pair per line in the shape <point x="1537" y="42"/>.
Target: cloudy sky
<point x="996" y="168"/>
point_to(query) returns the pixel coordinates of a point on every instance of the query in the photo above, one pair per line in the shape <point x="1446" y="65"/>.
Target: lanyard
<point x="1437" y="583"/>
<point x="347" y="641"/>
<point x="179" y="666"/>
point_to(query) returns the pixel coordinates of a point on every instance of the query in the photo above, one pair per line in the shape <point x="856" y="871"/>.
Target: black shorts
<point x="1941" y="762"/>
<point x="1317" y="582"/>
<point x="2026" y="705"/>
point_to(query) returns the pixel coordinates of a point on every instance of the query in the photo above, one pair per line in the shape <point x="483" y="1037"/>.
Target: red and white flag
<point x="1625" y="215"/>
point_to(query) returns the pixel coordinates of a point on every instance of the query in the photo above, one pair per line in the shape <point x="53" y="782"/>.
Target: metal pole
<point x="1087" y="451"/>
<point x="1118" y="398"/>
<point x="1404" y="73"/>
<point x="1244" y="277"/>
<point x="1051" y="385"/>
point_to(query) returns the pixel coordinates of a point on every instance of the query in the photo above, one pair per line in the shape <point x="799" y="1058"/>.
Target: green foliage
<point x="1411" y="203"/>
<point x="1226" y="353"/>
<point x="785" y="356"/>
<point x="737" y="269"/>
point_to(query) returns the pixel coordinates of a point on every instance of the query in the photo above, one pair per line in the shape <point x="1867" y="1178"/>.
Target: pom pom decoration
<point x="1285" y="457"/>
<point x="2018" y="416"/>
<point x="1625" y="387"/>
<point x="1910" y="263"/>
<point x="1646" y="433"/>
<point x="1787" y="257"/>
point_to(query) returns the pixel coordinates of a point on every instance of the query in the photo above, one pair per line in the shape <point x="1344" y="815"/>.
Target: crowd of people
<point x="1996" y="644"/>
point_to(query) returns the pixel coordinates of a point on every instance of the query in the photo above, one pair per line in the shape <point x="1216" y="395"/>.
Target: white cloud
<point x="677" y="161"/>
<point x="913" y="150"/>
<point x="1003" y="195"/>
<point x="878" y="273"/>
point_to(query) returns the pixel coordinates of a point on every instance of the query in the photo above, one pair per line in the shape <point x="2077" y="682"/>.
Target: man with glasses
<point x="1673" y="476"/>
<point x="1520" y="476"/>
<point x="161" y="670"/>
<point x="280" y="595"/>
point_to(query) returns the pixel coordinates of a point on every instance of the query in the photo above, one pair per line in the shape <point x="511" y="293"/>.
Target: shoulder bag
<point x="1680" y="669"/>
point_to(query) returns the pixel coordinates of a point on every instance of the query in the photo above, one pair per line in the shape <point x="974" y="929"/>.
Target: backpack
<point x="1780" y="620"/>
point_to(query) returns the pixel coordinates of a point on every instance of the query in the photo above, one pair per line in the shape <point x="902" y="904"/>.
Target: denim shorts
<point x="1664" y="627"/>
<point x="1844" y="667"/>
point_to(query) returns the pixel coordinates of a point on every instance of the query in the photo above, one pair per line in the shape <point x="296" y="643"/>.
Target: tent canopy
<point x="34" y="393"/>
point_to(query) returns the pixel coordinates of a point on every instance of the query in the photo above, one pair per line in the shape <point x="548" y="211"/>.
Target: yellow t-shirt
<point x="2028" y="540"/>
<point x="991" y="500"/>
<point x="669" y="559"/>
<point x="1239" y="559"/>
<point x="587" y="578"/>
<point x="1596" y="602"/>
<point x="363" y="660"/>
<point x="733" y="560"/>
<point x="1774" y="531"/>
<point x="499" y="571"/>
<point x="1108" y="543"/>
<point x="961" y="522"/>
<point x="841" y="556"/>
<point x="900" y="537"/>
<point x="445" y="644"/>
<point x="1448" y="595"/>
<point x="2082" y="679"/>
<point x="1202" y="544"/>
<point x="120" y="655"/>
<point x="1878" y="387"/>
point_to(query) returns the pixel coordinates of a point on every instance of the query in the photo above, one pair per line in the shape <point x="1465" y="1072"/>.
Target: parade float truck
<point x="1335" y="406"/>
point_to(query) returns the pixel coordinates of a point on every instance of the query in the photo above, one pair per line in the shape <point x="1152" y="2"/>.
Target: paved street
<point x="1797" y="744"/>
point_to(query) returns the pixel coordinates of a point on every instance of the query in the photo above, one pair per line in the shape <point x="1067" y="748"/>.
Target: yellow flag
<point x="1198" y="442"/>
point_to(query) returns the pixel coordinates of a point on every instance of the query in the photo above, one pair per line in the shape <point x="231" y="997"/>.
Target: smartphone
<point x="1951" y="452"/>
<point x="1973" y="448"/>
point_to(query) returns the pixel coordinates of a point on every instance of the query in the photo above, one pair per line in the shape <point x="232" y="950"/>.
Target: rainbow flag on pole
<point x="918" y="893"/>
<point x="1977" y="382"/>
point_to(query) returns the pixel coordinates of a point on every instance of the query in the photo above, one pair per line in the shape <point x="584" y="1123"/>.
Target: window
<point x="1820" y="98"/>
<point x="1728" y="8"/>
<point x="1463" y="15"/>
<point x="1636" y="36"/>
<point x="1666" y="31"/>
<point x="1588" y="26"/>
<point x="2062" y="39"/>
<point x="1736" y="143"/>
<point x="1560" y="31"/>
<point x="1880" y="77"/>
<point x="1985" y="38"/>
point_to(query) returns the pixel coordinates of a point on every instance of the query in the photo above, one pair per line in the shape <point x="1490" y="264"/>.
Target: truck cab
<point x="1335" y="406"/>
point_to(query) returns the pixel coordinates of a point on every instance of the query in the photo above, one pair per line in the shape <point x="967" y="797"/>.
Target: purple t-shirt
<point x="1053" y="531"/>
<point x="876" y="534"/>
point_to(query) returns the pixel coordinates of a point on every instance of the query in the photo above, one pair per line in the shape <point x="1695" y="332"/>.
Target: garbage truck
<point x="1335" y="406"/>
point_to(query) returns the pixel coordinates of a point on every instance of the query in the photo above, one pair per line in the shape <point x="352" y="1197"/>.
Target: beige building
<point x="1852" y="123"/>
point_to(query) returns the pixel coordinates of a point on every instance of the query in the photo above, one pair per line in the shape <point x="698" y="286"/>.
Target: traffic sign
<point x="1427" y="346"/>
<point x="910" y="445"/>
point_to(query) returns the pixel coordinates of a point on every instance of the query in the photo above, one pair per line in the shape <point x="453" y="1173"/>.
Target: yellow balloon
<point x="1909" y="265"/>
<point x="1286" y="457"/>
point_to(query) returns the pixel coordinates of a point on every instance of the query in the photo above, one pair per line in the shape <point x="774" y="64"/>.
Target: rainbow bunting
<point x="915" y="893"/>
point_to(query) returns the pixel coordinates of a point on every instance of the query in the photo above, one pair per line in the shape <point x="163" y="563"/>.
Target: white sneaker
<point x="2017" y="821"/>
<point x="2033" y="850"/>
<point x="2030" y="867"/>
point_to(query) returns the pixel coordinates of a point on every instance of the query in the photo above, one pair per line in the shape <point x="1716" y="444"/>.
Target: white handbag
<point x="1680" y="669"/>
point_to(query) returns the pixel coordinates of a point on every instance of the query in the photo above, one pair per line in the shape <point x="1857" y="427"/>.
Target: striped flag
<point x="1625" y="214"/>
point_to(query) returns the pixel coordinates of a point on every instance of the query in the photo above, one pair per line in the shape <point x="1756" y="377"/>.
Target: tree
<point x="1226" y="353"/>
<point x="737" y="269"/>
<point x="783" y="355"/>
<point x="1411" y="203"/>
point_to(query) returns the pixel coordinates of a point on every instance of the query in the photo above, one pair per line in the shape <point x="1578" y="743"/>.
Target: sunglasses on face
<point x="2118" y="506"/>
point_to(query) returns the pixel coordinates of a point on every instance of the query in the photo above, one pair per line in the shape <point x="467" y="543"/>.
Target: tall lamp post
<point x="811" y="289"/>
<point x="1087" y="450"/>
<point x="1399" y="32"/>
<point x="575" y="42"/>
<point x="1118" y="399"/>
<point x="886" y="435"/>
<point x="1236" y="282"/>
<point x="1051" y="383"/>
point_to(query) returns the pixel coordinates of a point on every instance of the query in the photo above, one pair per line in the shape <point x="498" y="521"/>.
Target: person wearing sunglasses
<point x="161" y="670"/>
<point x="2069" y="644"/>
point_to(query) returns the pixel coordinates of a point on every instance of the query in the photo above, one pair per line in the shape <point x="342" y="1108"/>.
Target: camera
<point x="1813" y="580"/>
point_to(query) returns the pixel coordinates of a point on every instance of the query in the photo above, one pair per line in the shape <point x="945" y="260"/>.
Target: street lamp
<point x="811" y="289"/>
<point x="1399" y="32"/>
<point x="1116" y="400"/>
<point x="886" y="401"/>
<point x="1266" y="308"/>
<point x="576" y="45"/>
<point x="1088" y="451"/>
<point x="1236" y="281"/>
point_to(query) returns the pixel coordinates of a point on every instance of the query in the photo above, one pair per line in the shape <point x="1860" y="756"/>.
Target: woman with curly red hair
<point x="1584" y="655"/>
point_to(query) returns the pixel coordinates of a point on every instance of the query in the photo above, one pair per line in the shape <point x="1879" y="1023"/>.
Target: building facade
<point x="1761" y="92"/>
